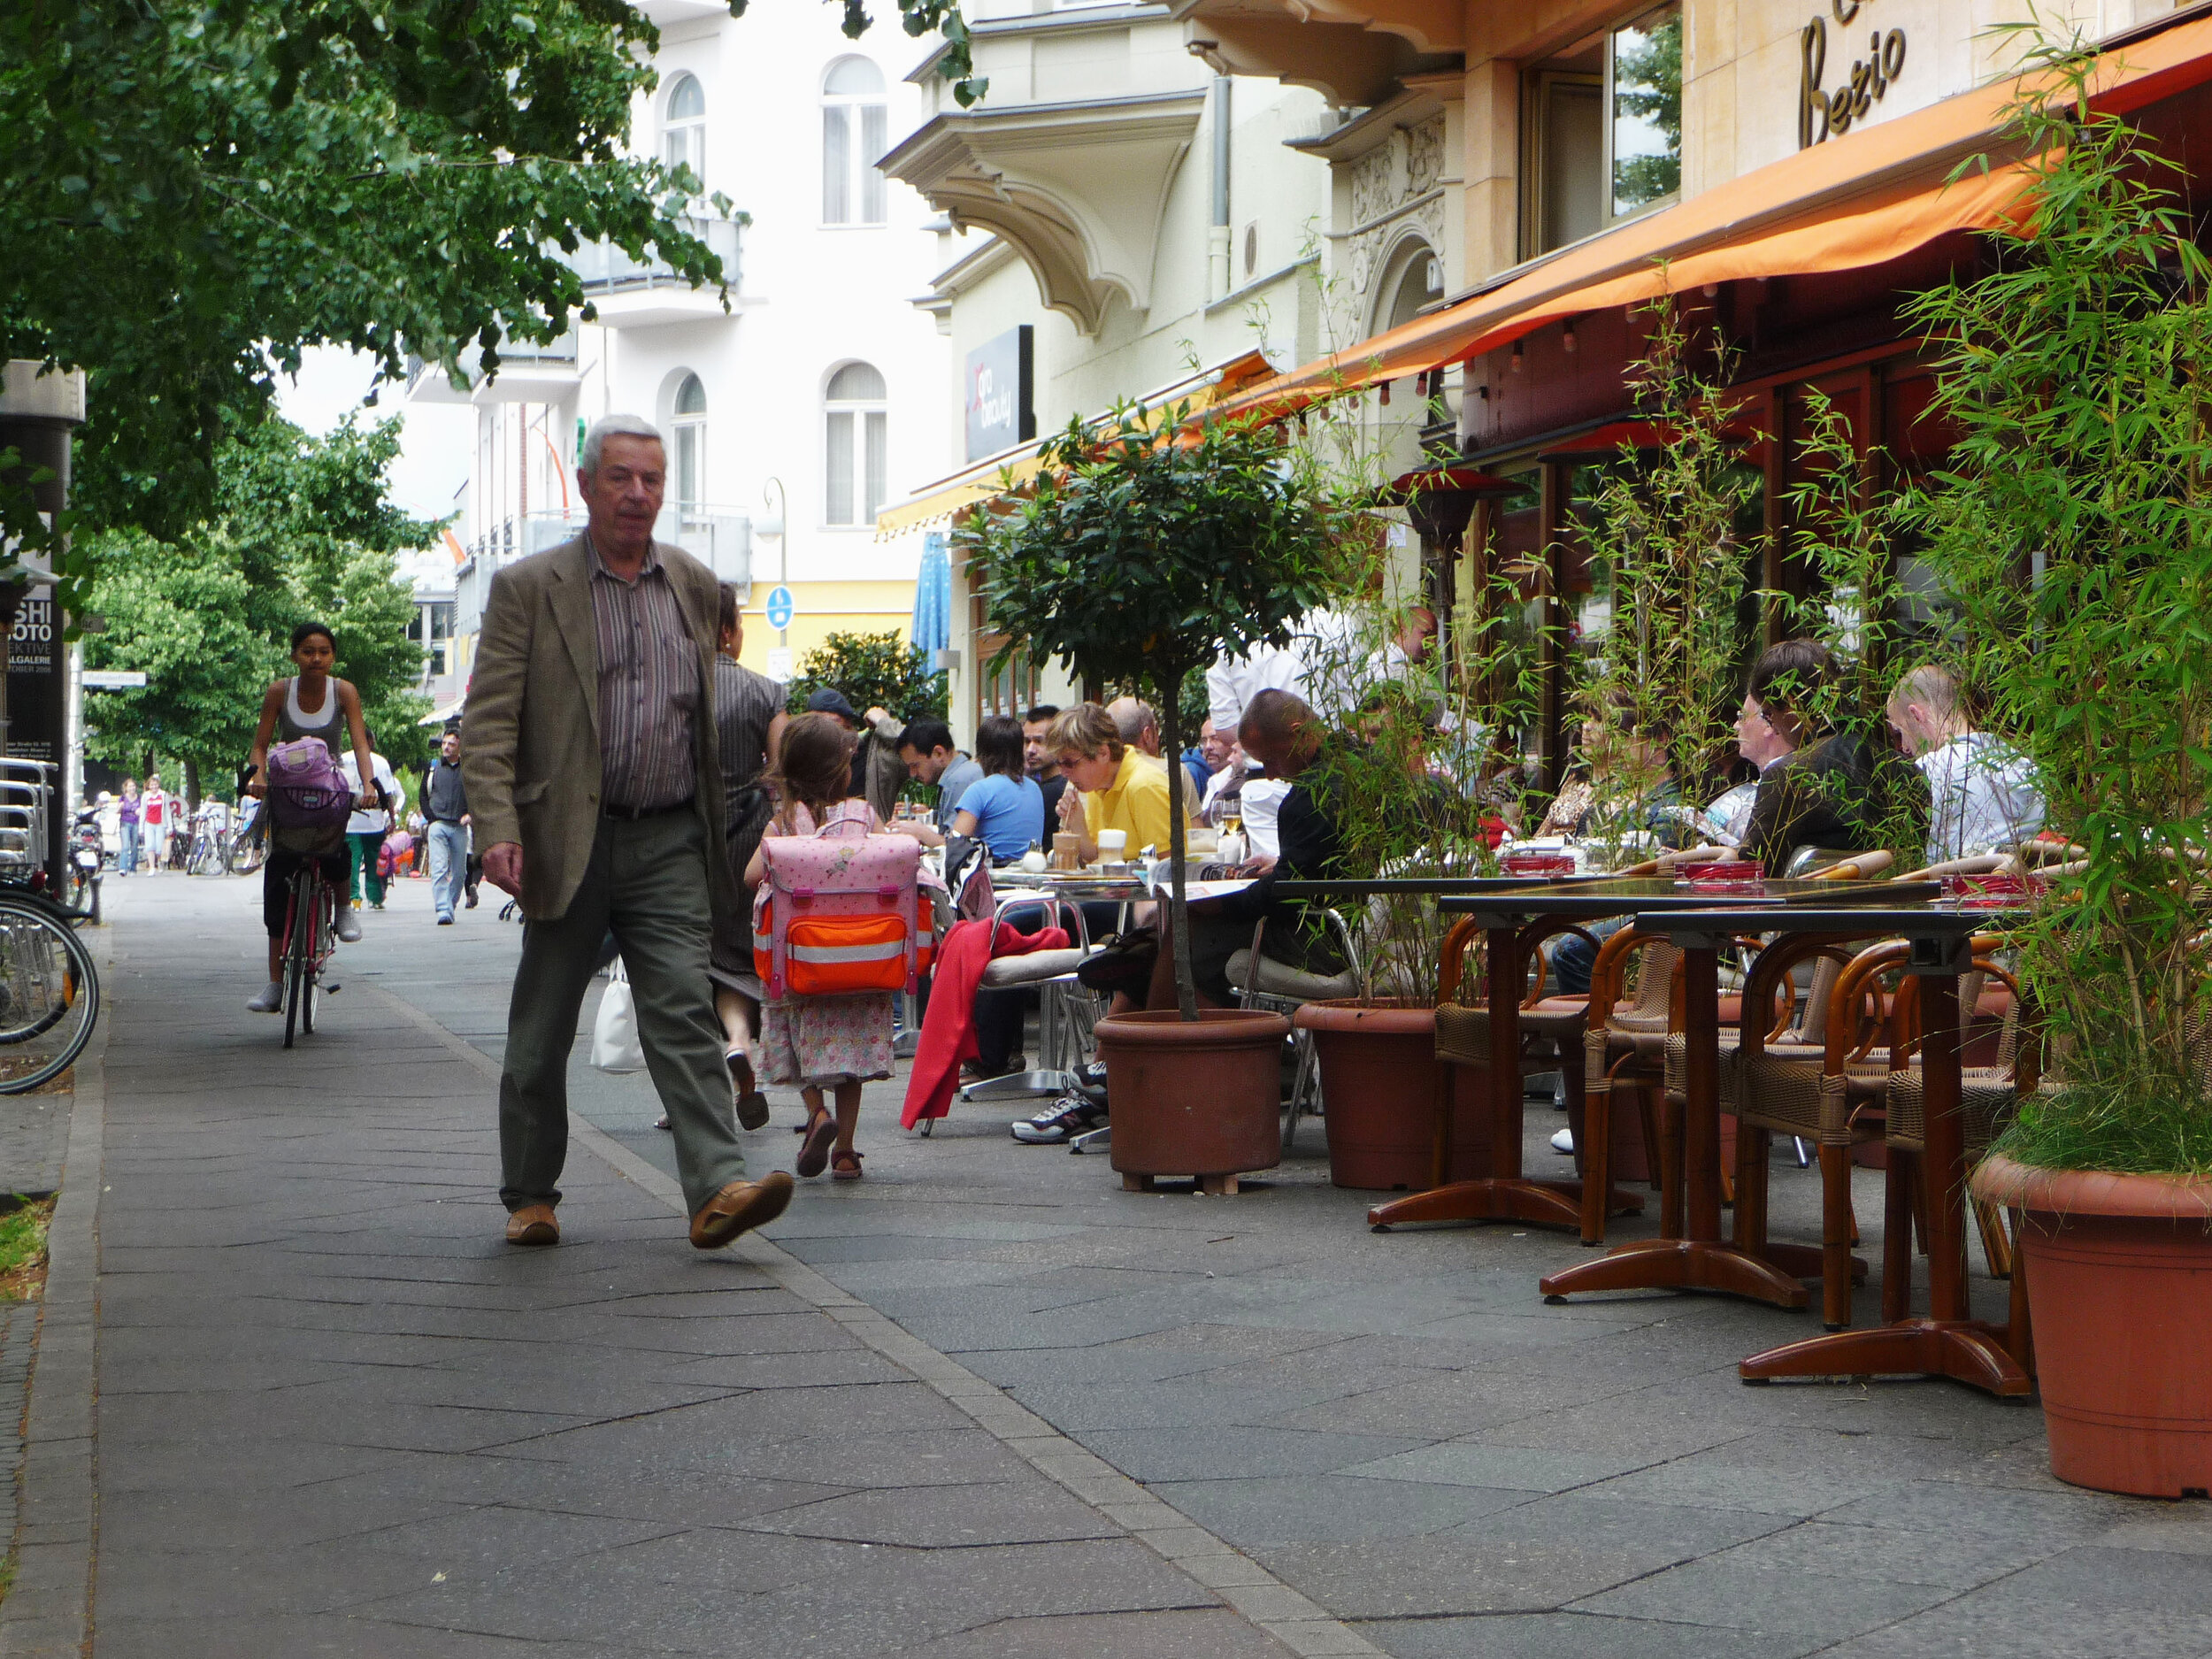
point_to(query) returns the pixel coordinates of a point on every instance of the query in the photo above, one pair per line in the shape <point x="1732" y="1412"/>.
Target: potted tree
<point x="1147" y="547"/>
<point x="2072" y="534"/>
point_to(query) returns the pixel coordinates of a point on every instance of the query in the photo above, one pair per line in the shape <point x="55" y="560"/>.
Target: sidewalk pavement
<point x="335" y="1415"/>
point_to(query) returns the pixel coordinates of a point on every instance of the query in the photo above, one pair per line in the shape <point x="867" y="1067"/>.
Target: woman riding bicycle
<point x="311" y="703"/>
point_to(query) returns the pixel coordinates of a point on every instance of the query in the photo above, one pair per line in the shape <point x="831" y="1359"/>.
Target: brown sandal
<point x="839" y="1170"/>
<point x="815" y="1153"/>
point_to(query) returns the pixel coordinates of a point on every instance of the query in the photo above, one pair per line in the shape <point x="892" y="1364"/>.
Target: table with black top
<point x="1517" y="921"/>
<point x="1949" y="1342"/>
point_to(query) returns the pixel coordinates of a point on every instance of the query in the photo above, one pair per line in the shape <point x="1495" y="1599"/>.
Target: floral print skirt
<point x="819" y="1041"/>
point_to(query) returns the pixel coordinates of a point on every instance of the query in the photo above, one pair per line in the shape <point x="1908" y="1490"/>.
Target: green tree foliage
<point x="302" y="531"/>
<point x="197" y="189"/>
<point x="873" y="671"/>
<point x="1136" y="559"/>
<point x="2072" y="532"/>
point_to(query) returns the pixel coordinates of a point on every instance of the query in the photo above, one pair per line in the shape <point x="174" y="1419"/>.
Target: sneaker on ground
<point x="349" y="928"/>
<point x="472" y="899"/>
<point x="1059" y="1123"/>
<point x="1564" y="1143"/>
<point x="445" y="921"/>
<point x="270" y="1001"/>
<point x="1091" y="1078"/>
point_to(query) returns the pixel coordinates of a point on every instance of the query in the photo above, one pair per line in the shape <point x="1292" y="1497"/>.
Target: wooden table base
<point x="1965" y="1350"/>
<point x="1680" y="1265"/>
<point x="1499" y="1198"/>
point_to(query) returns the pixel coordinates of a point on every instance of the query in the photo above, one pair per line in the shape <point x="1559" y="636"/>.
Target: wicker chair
<point x="1556" y="1024"/>
<point x="1626" y="1048"/>
<point x="1988" y="1097"/>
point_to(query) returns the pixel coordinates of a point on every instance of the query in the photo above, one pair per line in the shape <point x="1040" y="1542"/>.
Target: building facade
<point x="1154" y="229"/>
<point x="795" y="413"/>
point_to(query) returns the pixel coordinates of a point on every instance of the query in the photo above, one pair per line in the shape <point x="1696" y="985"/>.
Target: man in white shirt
<point x="1981" y="792"/>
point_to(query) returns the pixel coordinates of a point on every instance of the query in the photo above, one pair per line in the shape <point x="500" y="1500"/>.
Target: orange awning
<point x="1871" y="196"/>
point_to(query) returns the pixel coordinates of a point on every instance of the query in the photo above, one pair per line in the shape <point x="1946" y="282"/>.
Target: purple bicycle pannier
<point x="309" y="799"/>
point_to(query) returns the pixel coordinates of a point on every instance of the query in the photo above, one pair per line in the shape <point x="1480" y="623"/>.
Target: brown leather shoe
<point x="534" y="1223"/>
<point x="738" y="1207"/>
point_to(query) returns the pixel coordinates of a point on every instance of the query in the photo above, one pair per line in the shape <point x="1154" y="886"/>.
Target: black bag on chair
<point x="1122" y="964"/>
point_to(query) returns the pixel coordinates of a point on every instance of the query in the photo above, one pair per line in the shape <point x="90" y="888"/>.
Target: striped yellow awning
<point x="1011" y="471"/>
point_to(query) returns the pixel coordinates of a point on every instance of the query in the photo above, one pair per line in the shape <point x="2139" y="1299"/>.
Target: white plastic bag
<point x="614" y="1040"/>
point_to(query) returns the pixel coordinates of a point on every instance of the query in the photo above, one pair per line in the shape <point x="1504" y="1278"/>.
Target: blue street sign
<point x="780" y="608"/>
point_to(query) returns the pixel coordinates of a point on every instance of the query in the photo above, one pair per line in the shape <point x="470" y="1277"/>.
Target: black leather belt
<point x="635" y="814"/>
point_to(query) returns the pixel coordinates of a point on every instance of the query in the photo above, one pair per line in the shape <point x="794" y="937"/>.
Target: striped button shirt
<point x="648" y="687"/>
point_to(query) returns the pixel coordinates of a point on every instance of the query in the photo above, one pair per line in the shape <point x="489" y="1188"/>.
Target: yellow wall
<point x="823" y="608"/>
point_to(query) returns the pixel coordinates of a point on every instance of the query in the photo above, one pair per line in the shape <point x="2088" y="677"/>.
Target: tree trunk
<point x="191" y="785"/>
<point x="1170" y="692"/>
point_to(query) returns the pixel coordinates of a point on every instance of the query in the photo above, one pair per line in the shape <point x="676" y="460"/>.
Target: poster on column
<point x="36" y="668"/>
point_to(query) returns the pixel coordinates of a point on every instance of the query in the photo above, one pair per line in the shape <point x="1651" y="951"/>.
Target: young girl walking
<point x="832" y="1044"/>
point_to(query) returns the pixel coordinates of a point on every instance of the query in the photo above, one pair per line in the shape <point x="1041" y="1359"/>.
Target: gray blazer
<point x="530" y="738"/>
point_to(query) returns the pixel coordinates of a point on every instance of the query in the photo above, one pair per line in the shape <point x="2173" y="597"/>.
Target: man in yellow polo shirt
<point x="1113" y="785"/>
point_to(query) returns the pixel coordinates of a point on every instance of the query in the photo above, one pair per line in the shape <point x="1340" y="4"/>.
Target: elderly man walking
<point x="590" y="754"/>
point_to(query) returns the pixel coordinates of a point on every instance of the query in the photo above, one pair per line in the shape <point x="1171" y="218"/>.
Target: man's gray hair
<point x="615" y="427"/>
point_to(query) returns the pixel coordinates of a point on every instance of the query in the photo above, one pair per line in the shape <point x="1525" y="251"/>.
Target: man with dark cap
<point x="879" y="775"/>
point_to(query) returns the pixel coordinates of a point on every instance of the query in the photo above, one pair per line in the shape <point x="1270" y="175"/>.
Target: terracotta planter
<point x="2120" y="1292"/>
<point x="1202" y="1100"/>
<point x="1378" y="1080"/>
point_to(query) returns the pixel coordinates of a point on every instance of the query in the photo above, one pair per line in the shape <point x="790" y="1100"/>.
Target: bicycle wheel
<point x="299" y="950"/>
<point x="319" y="953"/>
<point x="50" y="996"/>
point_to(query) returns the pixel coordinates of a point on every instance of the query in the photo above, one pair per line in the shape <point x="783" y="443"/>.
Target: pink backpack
<point x="838" y="913"/>
<point x="310" y="800"/>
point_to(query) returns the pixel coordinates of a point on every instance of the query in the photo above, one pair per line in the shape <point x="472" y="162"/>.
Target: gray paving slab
<point x="1394" y="1427"/>
<point x="345" y="1417"/>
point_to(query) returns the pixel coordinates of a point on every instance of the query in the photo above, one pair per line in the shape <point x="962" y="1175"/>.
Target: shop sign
<point x="1825" y="113"/>
<point x="1000" y="393"/>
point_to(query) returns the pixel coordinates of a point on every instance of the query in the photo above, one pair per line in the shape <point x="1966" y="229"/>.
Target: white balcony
<point x="528" y="373"/>
<point x="647" y="293"/>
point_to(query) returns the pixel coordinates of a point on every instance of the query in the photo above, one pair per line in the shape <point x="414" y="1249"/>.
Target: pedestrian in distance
<point x="127" y="828"/>
<point x="366" y="829"/>
<point x="749" y="724"/>
<point x="594" y="781"/>
<point x="153" y="817"/>
<point x="445" y="807"/>
<point x="312" y="703"/>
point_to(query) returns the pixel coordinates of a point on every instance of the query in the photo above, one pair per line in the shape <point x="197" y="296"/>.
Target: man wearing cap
<point x="601" y="650"/>
<point x="879" y="775"/>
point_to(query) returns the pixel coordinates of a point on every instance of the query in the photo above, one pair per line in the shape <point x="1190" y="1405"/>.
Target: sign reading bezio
<point x="1823" y="115"/>
<point x="1001" y="393"/>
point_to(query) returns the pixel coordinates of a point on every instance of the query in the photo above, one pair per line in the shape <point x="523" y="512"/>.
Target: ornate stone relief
<point x="1386" y="183"/>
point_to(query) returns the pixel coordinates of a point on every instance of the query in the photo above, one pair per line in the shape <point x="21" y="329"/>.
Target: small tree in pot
<point x="1148" y="547"/>
<point x="2072" y="532"/>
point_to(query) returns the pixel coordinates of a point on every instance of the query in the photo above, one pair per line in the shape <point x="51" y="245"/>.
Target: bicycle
<point x="311" y="935"/>
<point x="50" y="995"/>
<point x="245" y="851"/>
<point x="207" y="852"/>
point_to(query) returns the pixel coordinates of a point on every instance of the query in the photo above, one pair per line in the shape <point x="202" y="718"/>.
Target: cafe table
<point x="1514" y="917"/>
<point x="1949" y="1342"/>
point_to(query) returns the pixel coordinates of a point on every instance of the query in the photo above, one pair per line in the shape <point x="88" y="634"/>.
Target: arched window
<point x="857" y="431"/>
<point x="1418" y="283"/>
<point x="684" y="132"/>
<point x="688" y="417"/>
<point x="853" y="139"/>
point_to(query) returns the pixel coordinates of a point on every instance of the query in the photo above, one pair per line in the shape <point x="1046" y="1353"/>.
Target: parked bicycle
<point x="49" y="993"/>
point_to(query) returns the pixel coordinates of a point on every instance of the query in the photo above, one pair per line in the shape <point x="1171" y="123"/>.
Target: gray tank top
<point x="292" y="724"/>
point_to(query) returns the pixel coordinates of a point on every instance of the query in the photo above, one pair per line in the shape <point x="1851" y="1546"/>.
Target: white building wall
<point x="808" y="298"/>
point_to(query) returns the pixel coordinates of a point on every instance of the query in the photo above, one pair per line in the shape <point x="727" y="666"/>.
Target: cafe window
<point x="854" y="138"/>
<point x="857" y="440"/>
<point x="1601" y="138"/>
<point x="684" y="133"/>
